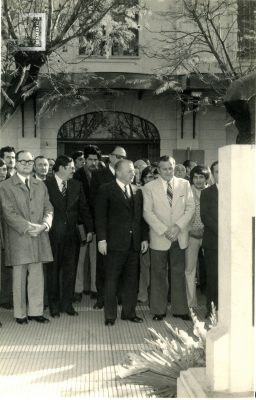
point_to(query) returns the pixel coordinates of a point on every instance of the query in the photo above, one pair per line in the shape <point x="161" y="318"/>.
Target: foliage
<point x="213" y="40"/>
<point x="96" y="23"/>
<point x="159" y="368"/>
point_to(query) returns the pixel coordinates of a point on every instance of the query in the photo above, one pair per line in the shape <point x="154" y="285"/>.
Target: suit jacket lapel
<point x="33" y="182"/>
<point x="117" y="191"/>
<point x="71" y="194"/>
<point x="57" y="193"/>
<point x="18" y="181"/>
<point x="177" y="187"/>
<point x="159" y="190"/>
<point x="215" y="192"/>
<point x="108" y="175"/>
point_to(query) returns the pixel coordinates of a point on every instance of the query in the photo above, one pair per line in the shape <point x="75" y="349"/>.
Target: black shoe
<point x="45" y="307"/>
<point x="71" y="313"/>
<point x="110" y="322"/>
<point x="77" y="297"/>
<point x="87" y="292"/>
<point x="98" y="305"/>
<point x="208" y="314"/>
<point x="7" y="306"/>
<point x="55" y="314"/>
<point x="134" y="319"/>
<point x="93" y="295"/>
<point x="119" y="302"/>
<point x="40" y="318"/>
<point x="21" y="321"/>
<point x="159" y="317"/>
<point x="185" y="317"/>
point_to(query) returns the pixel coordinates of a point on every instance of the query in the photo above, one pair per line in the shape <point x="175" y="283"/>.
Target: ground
<point x="76" y="356"/>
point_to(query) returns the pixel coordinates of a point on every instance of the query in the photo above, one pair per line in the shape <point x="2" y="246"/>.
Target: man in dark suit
<point x="100" y="177"/>
<point x="122" y="234"/>
<point x="209" y="217"/>
<point x="86" y="270"/>
<point x="68" y="200"/>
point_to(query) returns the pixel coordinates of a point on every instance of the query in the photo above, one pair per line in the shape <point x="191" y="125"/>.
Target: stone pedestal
<point x="230" y="345"/>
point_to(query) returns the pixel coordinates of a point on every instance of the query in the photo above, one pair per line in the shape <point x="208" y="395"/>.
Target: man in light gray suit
<point x="168" y="209"/>
<point x="27" y="215"/>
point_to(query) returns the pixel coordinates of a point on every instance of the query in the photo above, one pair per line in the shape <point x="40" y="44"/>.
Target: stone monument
<point x="229" y="368"/>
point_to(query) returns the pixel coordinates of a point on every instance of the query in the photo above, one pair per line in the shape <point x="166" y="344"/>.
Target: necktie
<point x="26" y="183"/>
<point x="127" y="194"/>
<point x="169" y="193"/>
<point x="64" y="188"/>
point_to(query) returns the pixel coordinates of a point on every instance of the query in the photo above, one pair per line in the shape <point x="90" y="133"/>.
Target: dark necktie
<point x="26" y="183"/>
<point x="127" y="194"/>
<point x="64" y="188"/>
<point x="169" y="193"/>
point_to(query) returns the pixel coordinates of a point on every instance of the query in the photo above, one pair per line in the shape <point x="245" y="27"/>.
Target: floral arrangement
<point x="160" y="367"/>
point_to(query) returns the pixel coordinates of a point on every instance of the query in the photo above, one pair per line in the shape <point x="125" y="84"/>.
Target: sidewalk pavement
<point x="76" y="356"/>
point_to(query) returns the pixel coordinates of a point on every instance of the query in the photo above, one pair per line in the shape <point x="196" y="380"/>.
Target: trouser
<point x="144" y="279"/>
<point x="175" y="257"/>
<point x="45" y="285"/>
<point x="191" y="257"/>
<point x="65" y="255"/>
<point x="6" y="282"/>
<point x="35" y="286"/>
<point x="125" y="263"/>
<point x="211" y="262"/>
<point x="202" y="270"/>
<point x="86" y="267"/>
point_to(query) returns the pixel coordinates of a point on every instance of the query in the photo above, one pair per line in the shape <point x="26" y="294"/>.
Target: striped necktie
<point x="169" y="193"/>
<point x="64" y="188"/>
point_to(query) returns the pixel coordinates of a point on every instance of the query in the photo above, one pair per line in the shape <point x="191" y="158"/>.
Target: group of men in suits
<point x="42" y="217"/>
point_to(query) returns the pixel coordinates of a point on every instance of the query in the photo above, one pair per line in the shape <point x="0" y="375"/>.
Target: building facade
<point x="146" y="124"/>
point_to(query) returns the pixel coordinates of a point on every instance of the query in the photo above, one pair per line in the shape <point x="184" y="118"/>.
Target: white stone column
<point x="230" y="345"/>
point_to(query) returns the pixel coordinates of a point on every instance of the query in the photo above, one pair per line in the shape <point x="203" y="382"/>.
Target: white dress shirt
<point x="59" y="182"/>
<point x="22" y="178"/>
<point x="112" y="169"/>
<point x="165" y="183"/>
<point x="122" y="186"/>
<point x="37" y="177"/>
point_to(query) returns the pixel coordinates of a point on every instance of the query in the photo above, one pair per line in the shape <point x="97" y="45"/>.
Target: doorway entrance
<point x="107" y="129"/>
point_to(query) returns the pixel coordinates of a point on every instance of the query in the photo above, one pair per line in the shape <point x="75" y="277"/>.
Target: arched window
<point x="106" y="125"/>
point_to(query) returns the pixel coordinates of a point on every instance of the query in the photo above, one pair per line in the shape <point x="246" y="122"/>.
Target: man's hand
<point x="144" y="246"/>
<point x="196" y="233"/>
<point x="102" y="247"/>
<point x="89" y="237"/>
<point x="168" y="234"/>
<point x="172" y="233"/>
<point x="175" y="231"/>
<point x="35" y="229"/>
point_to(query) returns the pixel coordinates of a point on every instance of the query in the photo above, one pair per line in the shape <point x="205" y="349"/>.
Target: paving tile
<point x="76" y="357"/>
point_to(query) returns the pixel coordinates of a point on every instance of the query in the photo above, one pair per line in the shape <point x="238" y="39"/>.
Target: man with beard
<point x="85" y="278"/>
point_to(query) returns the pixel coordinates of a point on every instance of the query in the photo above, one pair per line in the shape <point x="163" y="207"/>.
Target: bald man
<point x="121" y="243"/>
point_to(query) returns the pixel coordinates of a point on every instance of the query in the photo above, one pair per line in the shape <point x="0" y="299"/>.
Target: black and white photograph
<point x="127" y="199"/>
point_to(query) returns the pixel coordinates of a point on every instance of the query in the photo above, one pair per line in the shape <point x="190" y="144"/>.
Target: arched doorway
<point x="139" y="137"/>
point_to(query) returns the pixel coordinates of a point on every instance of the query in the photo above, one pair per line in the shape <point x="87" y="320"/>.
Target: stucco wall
<point x="162" y="110"/>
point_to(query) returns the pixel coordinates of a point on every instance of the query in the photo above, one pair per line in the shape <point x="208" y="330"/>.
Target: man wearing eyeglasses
<point x="68" y="199"/>
<point x="99" y="178"/>
<point x="27" y="214"/>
